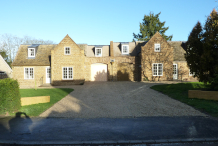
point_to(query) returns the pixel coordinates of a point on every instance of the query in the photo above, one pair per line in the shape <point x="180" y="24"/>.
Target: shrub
<point x="9" y="96"/>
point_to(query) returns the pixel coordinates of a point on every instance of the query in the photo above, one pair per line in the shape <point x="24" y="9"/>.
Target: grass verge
<point x="180" y="92"/>
<point x="36" y="109"/>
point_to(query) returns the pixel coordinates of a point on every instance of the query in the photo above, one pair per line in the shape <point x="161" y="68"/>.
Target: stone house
<point x="5" y="69"/>
<point x="69" y="63"/>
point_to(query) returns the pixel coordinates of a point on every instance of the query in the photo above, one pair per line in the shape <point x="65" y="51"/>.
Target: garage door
<point x="99" y="72"/>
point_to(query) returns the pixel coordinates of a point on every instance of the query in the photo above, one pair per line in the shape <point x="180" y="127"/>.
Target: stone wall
<point x="60" y="60"/>
<point x="149" y="56"/>
<point x="183" y="71"/>
<point x="39" y="76"/>
<point x="113" y="68"/>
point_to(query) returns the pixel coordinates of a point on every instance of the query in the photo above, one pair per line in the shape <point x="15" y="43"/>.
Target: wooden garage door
<point x="99" y="72"/>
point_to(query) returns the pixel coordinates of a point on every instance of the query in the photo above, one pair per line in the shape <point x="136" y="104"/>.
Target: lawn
<point x="180" y="92"/>
<point x="36" y="109"/>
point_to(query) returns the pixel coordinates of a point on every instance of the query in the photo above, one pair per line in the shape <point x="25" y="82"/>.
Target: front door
<point x="175" y="72"/>
<point x="48" y="75"/>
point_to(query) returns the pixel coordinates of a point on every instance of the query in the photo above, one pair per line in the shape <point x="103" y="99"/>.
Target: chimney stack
<point x="111" y="49"/>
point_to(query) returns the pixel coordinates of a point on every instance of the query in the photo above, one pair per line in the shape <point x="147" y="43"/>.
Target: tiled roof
<point x="179" y="50"/>
<point x="42" y="58"/>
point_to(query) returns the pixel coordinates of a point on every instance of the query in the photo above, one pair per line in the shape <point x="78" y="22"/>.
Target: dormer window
<point x="98" y="52"/>
<point x="156" y="47"/>
<point x="125" y="49"/>
<point x="31" y="52"/>
<point x="67" y="51"/>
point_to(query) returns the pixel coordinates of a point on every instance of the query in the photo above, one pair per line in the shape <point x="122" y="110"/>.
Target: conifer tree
<point x="150" y="25"/>
<point x="202" y="50"/>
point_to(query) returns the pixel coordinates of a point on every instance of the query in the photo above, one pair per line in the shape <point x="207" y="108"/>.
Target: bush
<point x="214" y="82"/>
<point x="9" y="96"/>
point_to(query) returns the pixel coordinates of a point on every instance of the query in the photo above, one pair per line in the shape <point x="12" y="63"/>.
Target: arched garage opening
<point x="99" y="72"/>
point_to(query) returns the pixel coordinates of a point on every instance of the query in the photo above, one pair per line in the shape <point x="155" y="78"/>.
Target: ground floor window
<point x="67" y="73"/>
<point x="157" y="69"/>
<point x="28" y="73"/>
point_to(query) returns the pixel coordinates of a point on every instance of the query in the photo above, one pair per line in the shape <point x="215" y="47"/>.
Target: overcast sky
<point x="97" y="22"/>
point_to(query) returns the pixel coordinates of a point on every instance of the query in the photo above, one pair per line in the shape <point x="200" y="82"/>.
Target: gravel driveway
<point x="117" y="99"/>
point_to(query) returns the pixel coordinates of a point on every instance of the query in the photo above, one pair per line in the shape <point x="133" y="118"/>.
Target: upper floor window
<point x="67" y="51"/>
<point x="28" y="73"/>
<point x="98" y="52"/>
<point x="157" y="69"/>
<point x="31" y="52"/>
<point x="125" y="49"/>
<point x="156" y="47"/>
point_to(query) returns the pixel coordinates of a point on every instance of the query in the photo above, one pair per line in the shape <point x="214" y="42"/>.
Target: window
<point x="157" y="69"/>
<point x="2" y="73"/>
<point x="31" y="52"/>
<point x="67" y="51"/>
<point x="125" y="49"/>
<point x="67" y="73"/>
<point x="156" y="47"/>
<point x="28" y="73"/>
<point x="98" y="52"/>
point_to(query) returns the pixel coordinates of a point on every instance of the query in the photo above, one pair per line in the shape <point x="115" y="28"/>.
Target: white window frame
<point x="29" y="52"/>
<point x="176" y="71"/>
<point x="157" y="46"/>
<point x="96" y="55"/>
<point x="65" y="50"/>
<point x="157" y="69"/>
<point x="67" y="73"/>
<point x="190" y="74"/>
<point x="127" y="49"/>
<point x="28" y="76"/>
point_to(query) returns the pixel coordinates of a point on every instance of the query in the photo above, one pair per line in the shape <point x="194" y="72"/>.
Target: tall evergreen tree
<point x="194" y="50"/>
<point x="150" y="25"/>
<point x="202" y="50"/>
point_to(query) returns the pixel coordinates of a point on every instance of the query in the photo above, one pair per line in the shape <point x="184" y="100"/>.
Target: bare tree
<point x="10" y="43"/>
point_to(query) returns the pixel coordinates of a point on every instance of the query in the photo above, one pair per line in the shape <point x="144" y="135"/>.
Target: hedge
<point x="9" y="96"/>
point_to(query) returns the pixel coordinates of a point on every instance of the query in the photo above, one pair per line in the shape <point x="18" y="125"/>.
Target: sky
<point x="97" y="22"/>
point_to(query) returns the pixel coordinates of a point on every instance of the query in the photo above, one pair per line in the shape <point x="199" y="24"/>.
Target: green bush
<point x="9" y="96"/>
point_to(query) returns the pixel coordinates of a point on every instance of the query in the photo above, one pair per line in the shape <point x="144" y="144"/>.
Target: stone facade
<point x="149" y="57"/>
<point x="136" y="65"/>
<point x="59" y="60"/>
<point x="39" y="77"/>
<point x="183" y="71"/>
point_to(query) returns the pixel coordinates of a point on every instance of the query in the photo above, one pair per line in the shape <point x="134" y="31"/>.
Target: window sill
<point x="67" y="80"/>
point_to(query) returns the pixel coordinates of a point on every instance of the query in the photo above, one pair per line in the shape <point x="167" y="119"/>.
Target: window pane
<point x="26" y="73"/>
<point x="155" y="69"/>
<point x="98" y="52"/>
<point x="67" y="50"/>
<point x="32" y="52"/>
<point x="157" y="47"/>
<point x="31" y="73"/>
<point x="160" y="71"/>
<point x="70" y="72"/>
<point x="125" y="49"/>
<point x="65" y="73"/>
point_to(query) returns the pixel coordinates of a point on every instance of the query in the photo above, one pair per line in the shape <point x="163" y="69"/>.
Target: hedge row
<point x="9" y="96"/>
